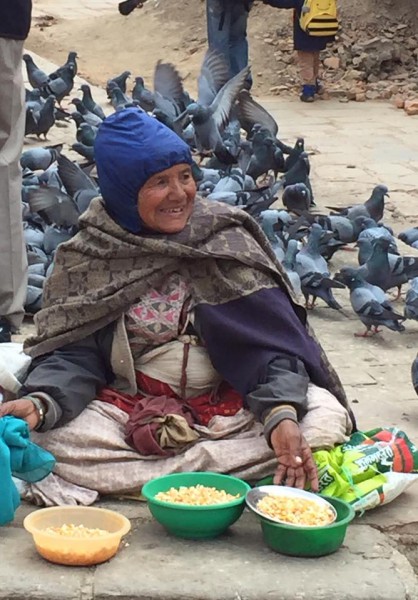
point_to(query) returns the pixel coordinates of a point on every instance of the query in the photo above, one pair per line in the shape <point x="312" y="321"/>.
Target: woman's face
<point x="165" y="201"/>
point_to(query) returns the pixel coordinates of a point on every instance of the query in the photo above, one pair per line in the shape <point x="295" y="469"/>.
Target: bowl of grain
<point x="300" y="523"/>
<point x="196" y="505"/>
<point x="76" y="535"/>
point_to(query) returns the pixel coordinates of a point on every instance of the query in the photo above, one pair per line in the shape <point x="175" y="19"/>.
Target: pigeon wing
<point x="73" y="177"/>
<point x="167" y="81"/>
<point x="225" y="98"/>
<point x="250" y="113"/>
<point x="54" y="207"/>
<point x="213" y="76"/>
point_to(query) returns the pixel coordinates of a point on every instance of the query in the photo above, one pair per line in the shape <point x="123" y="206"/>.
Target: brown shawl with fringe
<point x="222" y="254"/>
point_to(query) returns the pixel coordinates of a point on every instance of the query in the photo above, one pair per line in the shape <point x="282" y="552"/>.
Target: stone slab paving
<point x="354" y="146"/>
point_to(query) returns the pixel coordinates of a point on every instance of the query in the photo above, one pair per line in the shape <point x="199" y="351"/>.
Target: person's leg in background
<point x="238" y="42"/>
<point x="318" y="85"/>
<point x="306" y="62"/>
<point x="218" y="22"/>
<point x="13" y="259"/>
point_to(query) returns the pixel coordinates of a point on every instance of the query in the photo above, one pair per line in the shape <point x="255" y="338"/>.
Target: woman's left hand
<point x="296" y="464"/>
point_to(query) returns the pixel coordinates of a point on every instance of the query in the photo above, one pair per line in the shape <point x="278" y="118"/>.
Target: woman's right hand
<point x="22" y="409"/>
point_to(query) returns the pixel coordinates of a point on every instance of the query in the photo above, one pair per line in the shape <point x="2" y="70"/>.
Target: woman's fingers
<point x="280" y="474"/>
<point x="310" y="468"/>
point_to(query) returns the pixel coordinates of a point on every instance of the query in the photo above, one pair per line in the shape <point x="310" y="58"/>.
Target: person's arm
<point x="260" y="345"/>
<point x="280" y="394"/>
<point x="60" y="385"/>
<point x="282" y="3"/>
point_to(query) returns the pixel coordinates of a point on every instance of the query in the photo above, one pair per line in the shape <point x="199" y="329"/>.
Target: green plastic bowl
<point x="196" y="522"/>
<point x="309" y="541"/>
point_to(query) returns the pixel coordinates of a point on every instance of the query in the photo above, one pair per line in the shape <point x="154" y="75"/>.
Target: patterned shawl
<point x="222" y="254"/>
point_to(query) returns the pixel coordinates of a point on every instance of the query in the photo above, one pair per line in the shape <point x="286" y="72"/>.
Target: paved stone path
<point x="356" y="146"/>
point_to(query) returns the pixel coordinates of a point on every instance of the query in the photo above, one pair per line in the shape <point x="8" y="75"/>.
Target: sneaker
<point x="308" y="93"/>
<point x="5" y="330"/>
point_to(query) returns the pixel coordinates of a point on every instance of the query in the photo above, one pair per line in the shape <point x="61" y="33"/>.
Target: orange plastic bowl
<point x="84" y="552"/>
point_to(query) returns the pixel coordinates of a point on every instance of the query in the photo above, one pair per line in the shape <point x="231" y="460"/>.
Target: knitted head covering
<point x="130" y="147"/>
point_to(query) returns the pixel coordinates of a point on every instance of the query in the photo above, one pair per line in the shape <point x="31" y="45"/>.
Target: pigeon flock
<point x="239" y="160"/>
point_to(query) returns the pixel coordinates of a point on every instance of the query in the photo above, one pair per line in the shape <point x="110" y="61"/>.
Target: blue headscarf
<point x="130" y="147"/>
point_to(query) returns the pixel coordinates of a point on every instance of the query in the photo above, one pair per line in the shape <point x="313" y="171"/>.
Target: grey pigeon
<point x="61" y="86"/>
<point x="296" y="197"/>
<point x="289" y="263"/>
<point x="83" y="150"/>
<point x="251" y="113"/>
<point x="388" y="270"/>
<point x="411" y="300"/>
<point x="373" y="207"/>
<point x="299" y="173"/>
<point x="210" y="114"/>
<point x="369" y="303"/>
<point x="37" y="78"/>
<point x="89" y="117"/>
<point x="40" y="121"/>
<point x="294" y="154"/>
<point x="90" y="103"/>
<point x="70" y="66"/>
<point x="414" y="374"/>
<point x="409" y="237"/>
<point x="55" y="207"/>
<point x="119" y="80"/>
<point x="86" y="134"/>
<point x="40" y="158"/>
<point x="268" y="220"/>
<point x="142" y="95"/>
<point x="265" y="155"/>
<point x="313" y="272"/>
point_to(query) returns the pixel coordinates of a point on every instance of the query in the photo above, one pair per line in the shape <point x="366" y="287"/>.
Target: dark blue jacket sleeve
<point x="68" y="379"/>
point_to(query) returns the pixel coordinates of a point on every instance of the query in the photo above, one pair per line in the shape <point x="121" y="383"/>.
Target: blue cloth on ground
<point x="129" y="148"/>
<point x="21" y="458"/>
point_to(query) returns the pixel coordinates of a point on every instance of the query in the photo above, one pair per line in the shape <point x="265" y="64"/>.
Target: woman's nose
<point x="177" y="190"/>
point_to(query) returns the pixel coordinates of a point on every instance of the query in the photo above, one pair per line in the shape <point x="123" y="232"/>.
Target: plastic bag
<point x="369" y="470"/>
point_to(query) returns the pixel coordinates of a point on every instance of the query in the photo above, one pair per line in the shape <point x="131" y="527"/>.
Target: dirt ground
<point x="175" y="31"/>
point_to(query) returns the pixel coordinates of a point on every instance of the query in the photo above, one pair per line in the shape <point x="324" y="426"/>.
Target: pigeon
<point x="388" y="270"/>
<point x="37" y="78"/>
<point x="77" y="184"/>
<point x="119" y="80"/>
<point x="369" y="303"/>
<point x="40" y="121"/>
<point x="210" y="114"/>
<point x="296" y="198"/>
<point x="86" y="134"/>
<point x="409" y="237"/>
<point x="142" y="95"/>
<point x="414" y="374"/>
<point x="373" y="207"/>
<point x="251" y="113"/>
<point x="411" y="300"/>
<point x="89" y="103"/>
<point x="294" y="154"/>
<point x="61" y="86"/>
<point x="268" y="219"/>
<point x="288" y="264"/>
<point x="40" y="158"/>
<point x="89" y="117"/>
<point x="70" y="66"/>
<point x="55" y="207"/>
<point x="265" y="155"/>
<point x="299" y="173"/>
<point x="86" y="151"/>
<point x="313" y="272"/>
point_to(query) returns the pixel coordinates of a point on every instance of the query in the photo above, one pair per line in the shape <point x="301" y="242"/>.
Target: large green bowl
<point x="309" y="541"/>
<point x="196" y="522"/>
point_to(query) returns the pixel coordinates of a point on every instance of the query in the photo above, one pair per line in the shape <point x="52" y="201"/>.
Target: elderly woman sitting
<point x="169" y="339"/>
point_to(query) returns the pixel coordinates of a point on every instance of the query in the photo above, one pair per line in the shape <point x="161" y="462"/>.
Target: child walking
<point x="308" y="48"/>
